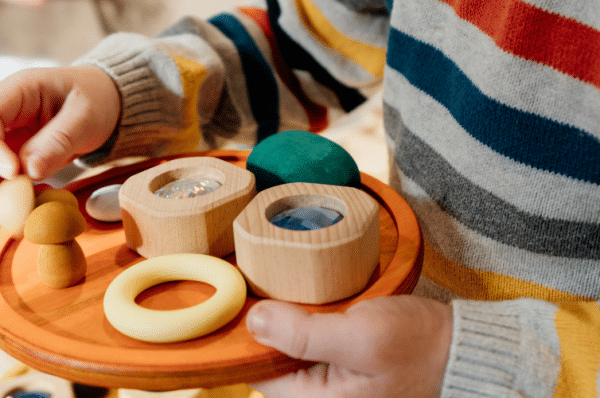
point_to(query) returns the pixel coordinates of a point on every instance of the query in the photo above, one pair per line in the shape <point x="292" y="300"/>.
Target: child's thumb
<point x="292" y="330"/>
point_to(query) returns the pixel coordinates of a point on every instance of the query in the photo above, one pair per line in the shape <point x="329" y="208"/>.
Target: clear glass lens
<point x="188" y="188"/>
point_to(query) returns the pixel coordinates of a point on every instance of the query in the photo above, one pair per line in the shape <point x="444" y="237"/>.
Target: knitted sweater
<point x="492" y="114"/>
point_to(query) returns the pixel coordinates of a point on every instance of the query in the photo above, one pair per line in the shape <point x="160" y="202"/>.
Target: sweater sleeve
<point x="241" y="76"/>
<point x="495" y="133"/>
<point x="524" y="348"/>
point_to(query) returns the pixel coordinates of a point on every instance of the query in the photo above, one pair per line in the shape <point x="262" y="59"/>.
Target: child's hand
<point x="385" y="347"/>
<point x="50" y="116"/>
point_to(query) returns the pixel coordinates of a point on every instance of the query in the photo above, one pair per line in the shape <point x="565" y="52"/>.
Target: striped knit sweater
<point x="492" y="114"/>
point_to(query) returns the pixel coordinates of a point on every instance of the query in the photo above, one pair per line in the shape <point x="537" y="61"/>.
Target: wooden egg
<point x="17" y="201"/>
<point x="201" y="224"/>
<point x="56" y="195"/>
<point x="54" y="222"/>
<point x="61" y="265"/>
<point x="314" y="266"/>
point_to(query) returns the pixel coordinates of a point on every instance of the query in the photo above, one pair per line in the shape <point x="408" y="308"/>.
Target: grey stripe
<point x="226" y="120"/>
<point x="372" y="6"/>
<point x="483" y="212"/>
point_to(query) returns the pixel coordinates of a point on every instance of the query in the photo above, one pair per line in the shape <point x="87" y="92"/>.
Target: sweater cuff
<point x="494" y="352"/>
<point x="151" y="94"/>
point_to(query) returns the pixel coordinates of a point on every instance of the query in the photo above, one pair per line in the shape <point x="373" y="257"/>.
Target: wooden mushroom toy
<point x="54" y="225"/>
<point x="56" y="195"/>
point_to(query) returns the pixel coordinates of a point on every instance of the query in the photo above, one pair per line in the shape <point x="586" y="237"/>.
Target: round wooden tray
<point x="65" y="332"/>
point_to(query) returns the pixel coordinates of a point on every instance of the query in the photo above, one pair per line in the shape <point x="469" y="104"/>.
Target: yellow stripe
<point x="484" y="285"/>
<point x="578" y="328"/>
<point x="372" y="59"/>
<point x="192" y="75"/>
<point x="233" y="391"/>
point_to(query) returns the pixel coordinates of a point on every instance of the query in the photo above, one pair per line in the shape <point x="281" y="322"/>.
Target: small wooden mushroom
<point x="54" y="225"/>
<point x="56" y="195"/>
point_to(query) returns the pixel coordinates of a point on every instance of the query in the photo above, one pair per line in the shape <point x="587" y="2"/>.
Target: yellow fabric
<point x="371" y="58"/>
<point x="192" y="75"/>
<point x="484" y="285"/>
<point x="578" y="328"/>
<point x="577" y="320"/>
<point x="234" y="391"/>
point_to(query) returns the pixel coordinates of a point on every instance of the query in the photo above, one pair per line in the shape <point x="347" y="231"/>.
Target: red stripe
<point x="534" y="34"/>
<point x="317" y="114"/>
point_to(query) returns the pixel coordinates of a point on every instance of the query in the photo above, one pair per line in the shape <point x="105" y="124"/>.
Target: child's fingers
<point x="9" y="162"/>
<point x="19" y="107"/>
<point x="20" y="100"/>
<point x="333" y="338"/>
<point x="59" y="113"/>
<point x="320" y="380"/>
<point x="58" y="141"/>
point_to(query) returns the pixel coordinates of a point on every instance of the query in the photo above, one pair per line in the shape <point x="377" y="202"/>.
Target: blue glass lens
<point x="306" y="218"/>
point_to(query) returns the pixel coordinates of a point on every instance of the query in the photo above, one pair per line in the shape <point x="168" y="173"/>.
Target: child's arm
<point x="524" y="347"/>
<point x="241" y="76"/>
<point x="236" y="78"/>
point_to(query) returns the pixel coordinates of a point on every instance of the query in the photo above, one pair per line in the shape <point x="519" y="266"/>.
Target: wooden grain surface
<point x="313" y="267"/>
<point x="65" y="333"/>
<point x="203" y="225"/>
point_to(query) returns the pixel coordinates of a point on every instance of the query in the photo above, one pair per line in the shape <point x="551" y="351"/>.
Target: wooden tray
<point x="65" y="333"/>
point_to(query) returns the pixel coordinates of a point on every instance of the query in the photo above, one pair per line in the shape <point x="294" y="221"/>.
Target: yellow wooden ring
<point x="159" y="326"/>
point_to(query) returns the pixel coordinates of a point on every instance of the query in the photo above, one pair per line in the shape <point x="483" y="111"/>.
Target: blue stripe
<point x="389" y="4"/>
<point x="524" y="137"/>
<point x="260" y="82"/>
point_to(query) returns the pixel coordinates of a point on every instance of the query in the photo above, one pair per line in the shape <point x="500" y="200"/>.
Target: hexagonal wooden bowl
<point x="311" y="267"/>
<point x="156" y="226"/>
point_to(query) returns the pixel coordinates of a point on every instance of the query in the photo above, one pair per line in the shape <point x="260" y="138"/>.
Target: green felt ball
<point x="300" y="156"/>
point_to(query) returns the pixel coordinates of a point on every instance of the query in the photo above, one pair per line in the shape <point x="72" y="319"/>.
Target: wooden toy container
<point x="315" y="266"/>
<point x="64" y="332"/>
<point x="203" y="224"/>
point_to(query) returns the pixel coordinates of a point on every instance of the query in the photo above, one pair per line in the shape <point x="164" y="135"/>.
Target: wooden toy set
<point x="161" y="301"/>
